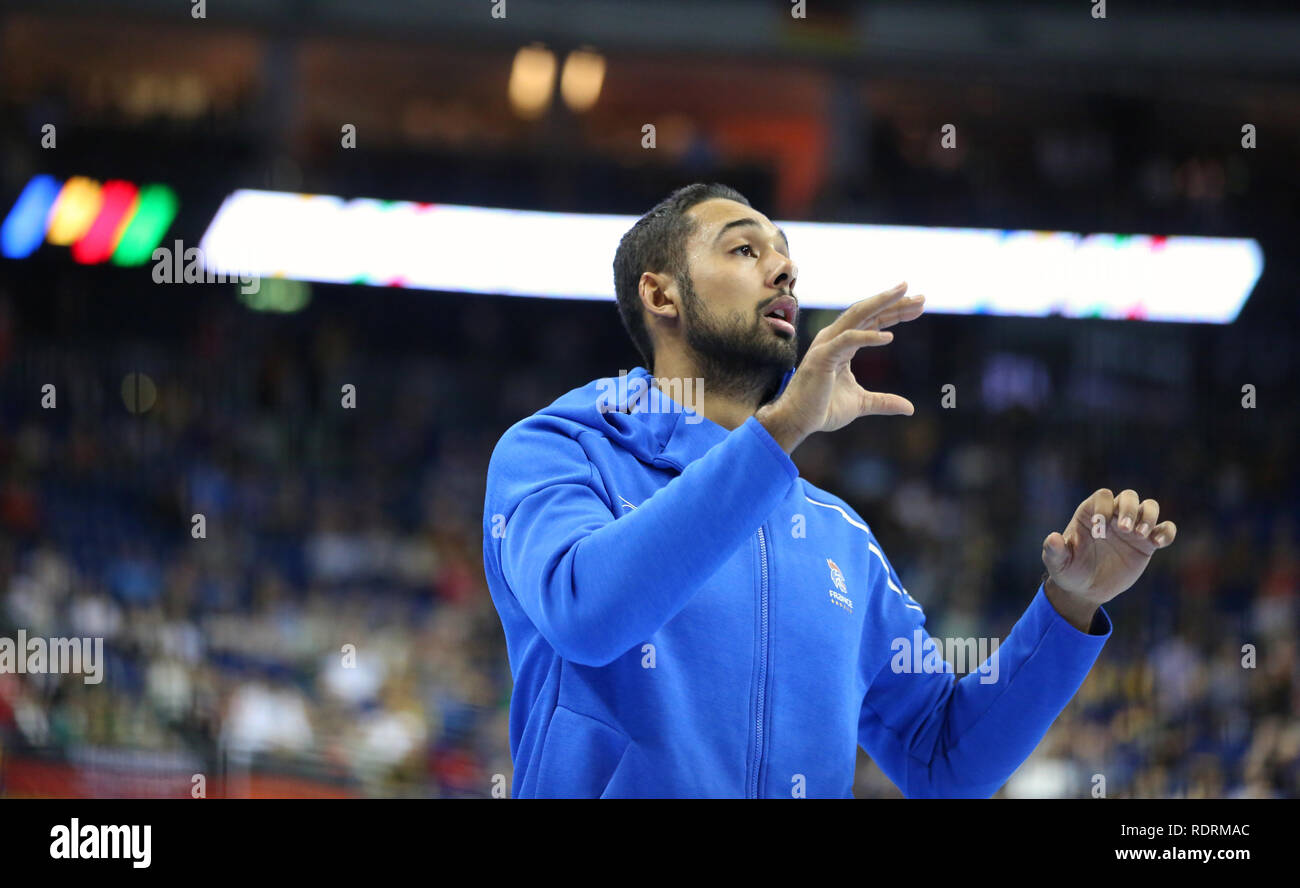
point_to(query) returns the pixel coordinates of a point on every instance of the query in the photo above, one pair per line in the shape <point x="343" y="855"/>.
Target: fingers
<point x="861" y="312"/>
<point x="842" y="347"/>
<point x="1134" y="517"/>
<point x="1164" y="534"/>
<point x="1126" y="510"/>
<point x="878" y="404"/>
<point x="1103" y="503"/>
<point x="1148" y="512"/>
<point x="1056" y="553"/>
<point x="908" y="309"/>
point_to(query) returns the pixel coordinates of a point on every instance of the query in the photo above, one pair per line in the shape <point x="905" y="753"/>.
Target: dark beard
<point x="737" y="357"/>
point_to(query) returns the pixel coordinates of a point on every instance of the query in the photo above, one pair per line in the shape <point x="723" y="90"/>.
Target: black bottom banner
<point x="124" y="838"/>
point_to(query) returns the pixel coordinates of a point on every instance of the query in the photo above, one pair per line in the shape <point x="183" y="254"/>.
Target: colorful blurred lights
<point x="114" y="221"/>
<point x="155" y="210"/>
<point x="74" y="211"/>
<point x="117" y="206"/>
<point x="25" y="226"/>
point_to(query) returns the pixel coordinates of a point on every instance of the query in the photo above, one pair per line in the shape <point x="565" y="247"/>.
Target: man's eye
<point x="744" y="247"/>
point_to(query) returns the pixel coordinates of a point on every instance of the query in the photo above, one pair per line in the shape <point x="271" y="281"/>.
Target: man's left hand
<point x="1104" y="549"/>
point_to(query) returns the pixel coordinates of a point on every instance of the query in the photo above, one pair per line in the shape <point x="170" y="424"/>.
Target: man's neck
<point x="728" y="403"/>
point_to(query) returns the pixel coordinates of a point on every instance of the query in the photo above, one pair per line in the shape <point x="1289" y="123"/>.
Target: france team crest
<point x="841" y="597"/>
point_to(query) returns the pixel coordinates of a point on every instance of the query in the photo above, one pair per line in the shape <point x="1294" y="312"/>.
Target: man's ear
<point x="659" y="295"/>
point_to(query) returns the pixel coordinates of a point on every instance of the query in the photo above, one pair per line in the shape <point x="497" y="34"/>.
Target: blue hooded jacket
<point x="687" y="617"/>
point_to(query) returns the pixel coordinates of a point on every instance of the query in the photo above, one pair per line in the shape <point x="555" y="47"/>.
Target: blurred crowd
<point x="328" y="618"/>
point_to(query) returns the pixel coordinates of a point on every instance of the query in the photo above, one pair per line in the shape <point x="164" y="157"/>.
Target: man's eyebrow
<point x="749" y="222"/>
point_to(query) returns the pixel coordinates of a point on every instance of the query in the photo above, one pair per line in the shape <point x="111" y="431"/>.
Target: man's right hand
<point x="823" y="394"/>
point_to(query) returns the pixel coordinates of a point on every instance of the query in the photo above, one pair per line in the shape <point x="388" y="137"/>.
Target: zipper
<point x="762" y="668"/>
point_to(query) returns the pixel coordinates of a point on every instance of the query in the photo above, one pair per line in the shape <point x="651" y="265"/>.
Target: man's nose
<point x="783" y="276"/>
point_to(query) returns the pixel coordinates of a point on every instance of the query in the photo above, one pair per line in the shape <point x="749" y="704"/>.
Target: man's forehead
<point x="718" y="211"/>
<point x="719" y="214"/>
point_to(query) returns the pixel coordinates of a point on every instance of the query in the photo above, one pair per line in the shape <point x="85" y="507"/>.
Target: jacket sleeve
<point x="595" y="586"/>
<point x="936" y="736"/>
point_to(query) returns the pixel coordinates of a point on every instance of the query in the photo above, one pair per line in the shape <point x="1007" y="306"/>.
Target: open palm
<point x="830" y="392"/>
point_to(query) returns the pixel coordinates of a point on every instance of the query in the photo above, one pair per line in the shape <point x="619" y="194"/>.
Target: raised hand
<point x="1105" y="547"/>
<point x="823" y="394"/>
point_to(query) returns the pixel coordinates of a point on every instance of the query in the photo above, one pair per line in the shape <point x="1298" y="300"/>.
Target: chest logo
<point x="840" y="594"/>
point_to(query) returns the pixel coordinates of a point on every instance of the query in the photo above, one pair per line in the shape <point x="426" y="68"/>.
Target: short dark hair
<point x="657" y="242"/>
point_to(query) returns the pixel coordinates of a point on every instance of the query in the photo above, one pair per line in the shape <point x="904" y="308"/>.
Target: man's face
<point x="739" y="276"/>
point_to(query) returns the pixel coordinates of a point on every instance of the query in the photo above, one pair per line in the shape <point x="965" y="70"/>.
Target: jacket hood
<point x="630" y="411"/>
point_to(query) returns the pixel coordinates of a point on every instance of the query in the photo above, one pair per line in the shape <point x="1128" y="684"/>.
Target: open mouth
<point x="782" y="315"/>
